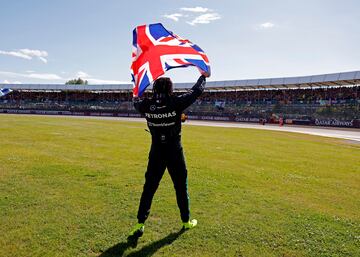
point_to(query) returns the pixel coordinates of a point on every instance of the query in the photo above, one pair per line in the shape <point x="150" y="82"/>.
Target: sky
<point x="52" y="41"/>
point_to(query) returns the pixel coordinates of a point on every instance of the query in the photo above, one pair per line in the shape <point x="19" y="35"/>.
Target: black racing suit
<point x="163" y="117"/>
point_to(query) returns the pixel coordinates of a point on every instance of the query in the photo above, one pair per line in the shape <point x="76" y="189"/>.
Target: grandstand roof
<point x="324" y="80"/>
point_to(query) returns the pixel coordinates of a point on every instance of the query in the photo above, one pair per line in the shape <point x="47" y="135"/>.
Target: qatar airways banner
<point x="338" y="123"/>
<point x="210" y="117"/>
<point x="252" y="120"/>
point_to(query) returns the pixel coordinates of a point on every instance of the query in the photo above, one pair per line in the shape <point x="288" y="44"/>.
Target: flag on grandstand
<point x="157" y="50"/>
<point x="4" y="91"/>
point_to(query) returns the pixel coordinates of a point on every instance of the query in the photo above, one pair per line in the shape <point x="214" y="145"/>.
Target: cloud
<point x="82" y="74"/>
<point x="15" y="54"/>
<point x="173" y="16"/>
<point x="55" y="77"/>
<point x="43" y="76"/>
<point x="198" y="15"/>
<point x="195" y="9"/>
<point x="46" y="76"/>
<point x="27" y="54"/>
<point x="204" y="19"/>
<point x="43" y="59"/>
<point x="266" y="25"/>
<point x="11" y="82"/>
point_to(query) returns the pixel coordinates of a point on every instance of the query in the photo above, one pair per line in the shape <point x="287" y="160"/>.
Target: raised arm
<point x="185" y="100"/>
<point x="139" y="104"/>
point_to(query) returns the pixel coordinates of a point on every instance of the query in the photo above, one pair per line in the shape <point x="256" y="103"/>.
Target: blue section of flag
<point x="144" y="83"/>
<point x="134" y="38"/>
<point x="197" y="48"/>
<point x="4" y="91"/>
<point x="158" y="31"/>
<point x="169" y="67"/>
<point x="199" y="63"/>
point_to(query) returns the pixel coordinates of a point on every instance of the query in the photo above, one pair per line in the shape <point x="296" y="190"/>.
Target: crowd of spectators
<point x="288" y="96"/>
<point x="244" y="103"/>
<point x="269" y="96"/>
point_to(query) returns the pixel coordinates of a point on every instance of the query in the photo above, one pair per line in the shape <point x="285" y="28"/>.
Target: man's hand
<point x="183" y="117"/>
<point x="206" y="74"/>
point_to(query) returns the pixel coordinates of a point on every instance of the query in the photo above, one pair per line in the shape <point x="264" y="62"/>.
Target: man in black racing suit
<point x="163" y="115"/>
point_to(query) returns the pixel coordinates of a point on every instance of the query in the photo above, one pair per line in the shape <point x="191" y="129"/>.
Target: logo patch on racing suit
<point x="165" y="122"/>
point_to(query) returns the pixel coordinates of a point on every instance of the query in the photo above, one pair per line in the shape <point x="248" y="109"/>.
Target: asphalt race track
<point x="343" y="133"/>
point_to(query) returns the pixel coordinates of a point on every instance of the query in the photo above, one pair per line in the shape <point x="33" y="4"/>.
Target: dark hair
<point x="163" y="86"/>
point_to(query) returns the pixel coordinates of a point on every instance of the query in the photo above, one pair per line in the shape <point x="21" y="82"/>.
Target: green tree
<point x="77" y="81"/>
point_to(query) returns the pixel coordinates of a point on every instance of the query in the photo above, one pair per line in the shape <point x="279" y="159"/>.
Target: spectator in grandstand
<point x="163" y="114"/>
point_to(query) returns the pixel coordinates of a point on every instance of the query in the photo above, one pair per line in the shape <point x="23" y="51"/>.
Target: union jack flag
<point x="157" y="50"/>
<point x="4" y="91"/>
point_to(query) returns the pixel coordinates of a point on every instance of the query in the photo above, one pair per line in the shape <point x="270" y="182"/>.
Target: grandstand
<point x="321" y="100"/>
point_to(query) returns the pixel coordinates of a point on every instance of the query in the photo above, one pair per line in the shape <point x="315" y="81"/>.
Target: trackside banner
<point x="337" y="123"/>
<point x="307" y="122"/>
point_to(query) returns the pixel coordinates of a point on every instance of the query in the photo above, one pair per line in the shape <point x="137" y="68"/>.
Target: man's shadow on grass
<point x="148" y="250"/>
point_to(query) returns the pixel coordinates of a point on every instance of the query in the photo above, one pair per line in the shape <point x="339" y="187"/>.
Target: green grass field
<point x="71" y="187"/>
